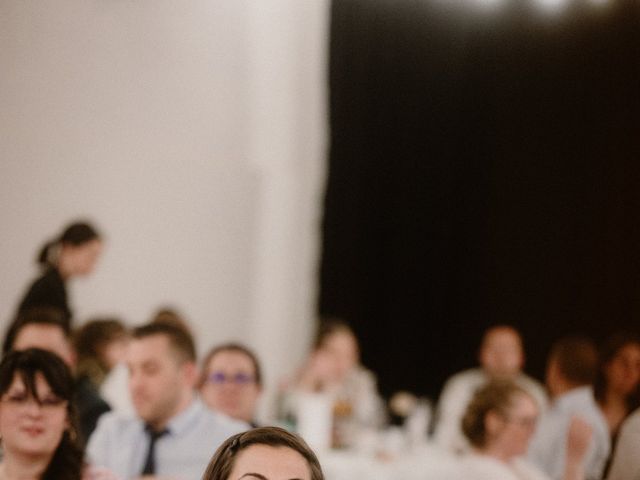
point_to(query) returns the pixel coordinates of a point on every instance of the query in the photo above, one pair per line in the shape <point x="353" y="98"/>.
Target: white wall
<point x="193" y="134"/>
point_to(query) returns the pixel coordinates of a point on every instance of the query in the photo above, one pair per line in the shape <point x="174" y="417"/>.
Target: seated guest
<point x="499" y="423"/>
<point x="100" y="346"/>
<point x="231" y="381"/>
<point x="626" y="463"/>
<point x="47" y="328"/>
<point x="617" y="385"/>
<point x="37" y="419"/>
<point x="571" y="369"/>
<point x="264" y="453"/>
<point x="333" y="369"/>
<point x="172" y="434"/>
<point x="501" y="356"/>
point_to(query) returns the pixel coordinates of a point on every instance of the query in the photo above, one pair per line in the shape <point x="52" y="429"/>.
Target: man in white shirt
<point x="501" y="356"/>
<point x="571" y="369"/>
<point x="173" y="435"/>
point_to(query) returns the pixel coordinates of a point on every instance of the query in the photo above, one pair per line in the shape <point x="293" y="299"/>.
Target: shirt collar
<point x="183" y="421"/>
<point x="580" y="395"/>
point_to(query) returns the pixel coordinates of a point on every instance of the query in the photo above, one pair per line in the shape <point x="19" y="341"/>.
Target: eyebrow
<point x="261" y="477"/>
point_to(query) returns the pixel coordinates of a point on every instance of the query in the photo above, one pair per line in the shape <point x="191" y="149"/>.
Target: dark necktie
<point x="150" y="463"/>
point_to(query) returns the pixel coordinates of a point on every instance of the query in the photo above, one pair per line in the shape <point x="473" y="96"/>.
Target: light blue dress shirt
<point x="548" y="447"/>
<point x="120" y="443"/>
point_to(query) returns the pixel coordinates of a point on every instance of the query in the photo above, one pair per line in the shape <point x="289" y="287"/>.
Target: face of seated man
<point x="160" y="381"/>
<point x="263" y="462"/>
<point x="230" y="385"/>
<point x="501" y="354"/>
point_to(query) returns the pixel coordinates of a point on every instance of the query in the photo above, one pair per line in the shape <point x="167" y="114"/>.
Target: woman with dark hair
<point x="100" y="345"/>
<point x="38" y="419"/>
<point x="269" y="453"/>
<point x="499" y="423"/>
<point x="617" y="385"/>
<point x="72" y="253"/>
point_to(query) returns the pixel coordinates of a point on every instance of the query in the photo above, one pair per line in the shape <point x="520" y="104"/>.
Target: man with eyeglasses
<point x="231" y="381"/>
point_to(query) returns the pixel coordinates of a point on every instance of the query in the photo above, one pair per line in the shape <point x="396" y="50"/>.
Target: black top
<point x="48" y="290"/>
<point x="90" y="406"/>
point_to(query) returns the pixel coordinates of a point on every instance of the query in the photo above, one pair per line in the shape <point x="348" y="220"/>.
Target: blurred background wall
<point x="193" y="135"/>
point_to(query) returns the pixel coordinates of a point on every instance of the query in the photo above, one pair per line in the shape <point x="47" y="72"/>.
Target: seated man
<point x="172" y="434"/>
<point x="625" y="464"/>
<point x="571" y="369"/>
<point x="501" y="357"/>
<point x="231" y="382"/>
<point x="48" y="328"/>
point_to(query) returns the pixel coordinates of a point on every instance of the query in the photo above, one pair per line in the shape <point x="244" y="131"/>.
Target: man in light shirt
<point x="173" y="435"/>
<point x="571" y="369"/>
<point x="501" y="357"/>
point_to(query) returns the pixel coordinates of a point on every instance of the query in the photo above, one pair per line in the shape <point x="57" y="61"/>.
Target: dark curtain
<point x="484" y="169"/>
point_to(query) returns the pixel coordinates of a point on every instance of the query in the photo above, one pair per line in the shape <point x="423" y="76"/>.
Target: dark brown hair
<point x="38" y="316"/>
<point x="576" y="358"/>
<point x="179" y="339"/>
<point x="170" y="316"/>
<point x="496" y="396"/>
<point x="231" y="347"/>
<point x="67" y="459"/>
<point x="221" y="464"/>
<point x="77" y="233"/>
<point x="90" y="341"/>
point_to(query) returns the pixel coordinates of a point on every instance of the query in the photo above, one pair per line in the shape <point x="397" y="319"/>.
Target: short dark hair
<point x="231" y="347"/>
<point x="496" y="396"/>
<point x="35" y="316"/>
<point x="222" y="462"/>
<point x="576" y="358"/>
<point x="67" y="459"/>
<point x="179" y="339"/>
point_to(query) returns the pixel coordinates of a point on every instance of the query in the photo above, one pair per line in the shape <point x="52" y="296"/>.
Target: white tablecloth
<point x="427" y="462"/>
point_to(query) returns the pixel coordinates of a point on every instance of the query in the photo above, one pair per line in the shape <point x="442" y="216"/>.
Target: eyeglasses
<point x="526" y="422"/>
<point x="22" y="400"/>
<point x="220" y="378"/>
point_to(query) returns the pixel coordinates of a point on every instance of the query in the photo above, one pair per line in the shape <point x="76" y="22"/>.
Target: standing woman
<point x="73" y="253"/>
